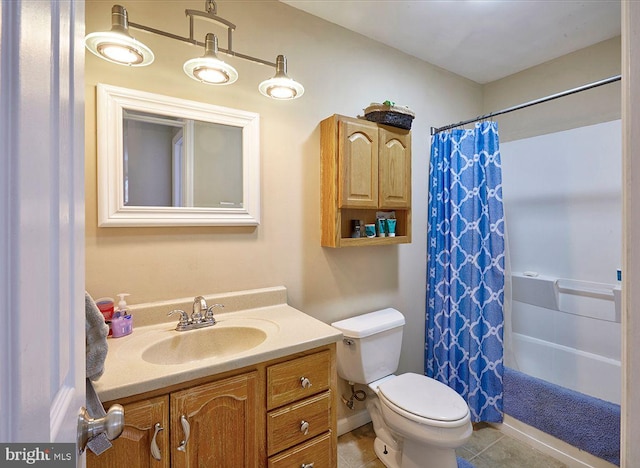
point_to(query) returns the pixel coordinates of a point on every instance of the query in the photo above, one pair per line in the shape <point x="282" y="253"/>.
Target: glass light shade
<point x="119" y="48"/>
<point x="210" y="70"/>
<point x="117" y="45"/>
<point x="281" y="86"/>
<point x="120" y="54"/>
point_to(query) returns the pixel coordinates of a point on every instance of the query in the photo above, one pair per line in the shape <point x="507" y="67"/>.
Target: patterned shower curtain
<point x="465" y="268"/>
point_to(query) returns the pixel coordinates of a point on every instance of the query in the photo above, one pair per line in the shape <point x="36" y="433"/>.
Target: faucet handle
<point x="209" y="316"/>
<point x="183" y="323"/>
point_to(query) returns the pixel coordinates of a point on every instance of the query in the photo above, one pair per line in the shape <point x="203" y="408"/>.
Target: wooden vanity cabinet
<point x="224" y="424"/>
<point x="133" y="447"/>
<point x="365" y="167"/>
<point x="251" y="417"/>
<point x="301" y="412"/>
<point x="221" y="428"/>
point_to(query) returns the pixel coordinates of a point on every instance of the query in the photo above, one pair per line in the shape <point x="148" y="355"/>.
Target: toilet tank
<point x="371" y="345"/>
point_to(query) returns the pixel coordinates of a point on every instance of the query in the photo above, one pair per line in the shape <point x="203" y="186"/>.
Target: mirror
<point x="164" y="161"/>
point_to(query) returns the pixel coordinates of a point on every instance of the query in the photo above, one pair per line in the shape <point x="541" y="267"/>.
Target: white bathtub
<point x="568" y="333"/>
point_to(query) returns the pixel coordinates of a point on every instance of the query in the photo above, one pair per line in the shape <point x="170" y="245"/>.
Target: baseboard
<point x="545" y="443"/>
<point x="353" y="421"/>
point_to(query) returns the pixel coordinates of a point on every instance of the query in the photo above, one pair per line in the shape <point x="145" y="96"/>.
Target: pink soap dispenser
<point x="122" y="323"/>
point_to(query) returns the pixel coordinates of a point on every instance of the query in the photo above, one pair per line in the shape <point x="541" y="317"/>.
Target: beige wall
<point x="585" y="66"/>
<point x="342" y="73"/>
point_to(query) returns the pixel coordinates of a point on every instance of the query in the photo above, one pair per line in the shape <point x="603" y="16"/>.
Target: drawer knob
<point x="306" y="383"/>
<point x="304" y="427"/>
<point x="306" y="465"/>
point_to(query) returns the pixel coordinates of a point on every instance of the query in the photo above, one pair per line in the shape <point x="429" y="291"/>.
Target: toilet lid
<point x="424" y="397"/>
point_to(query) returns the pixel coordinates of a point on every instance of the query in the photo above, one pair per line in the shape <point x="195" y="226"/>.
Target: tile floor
<point x="487" y="448"/>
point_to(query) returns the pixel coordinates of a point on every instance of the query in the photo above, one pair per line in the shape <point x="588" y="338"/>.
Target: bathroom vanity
<point x="272" y="405"/>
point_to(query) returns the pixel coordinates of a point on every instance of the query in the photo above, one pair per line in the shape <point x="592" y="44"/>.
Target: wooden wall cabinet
<point x="277" y="414"/>
<point x="365" y="167"/>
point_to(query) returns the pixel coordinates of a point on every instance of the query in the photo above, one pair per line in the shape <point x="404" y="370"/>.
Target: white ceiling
<point x="483" y="40"/>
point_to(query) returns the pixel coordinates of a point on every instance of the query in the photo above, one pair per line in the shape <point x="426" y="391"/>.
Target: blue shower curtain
<point x="465" y="268"/>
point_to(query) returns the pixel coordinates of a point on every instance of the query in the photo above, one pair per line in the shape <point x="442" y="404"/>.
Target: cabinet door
<point x="219" y="425"/>
<point x="394" y="160"/>
<point x="133" y="447"/>
<point x="358" y="164"/>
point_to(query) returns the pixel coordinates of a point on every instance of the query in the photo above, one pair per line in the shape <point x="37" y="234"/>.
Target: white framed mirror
<point x="164" y="161"/>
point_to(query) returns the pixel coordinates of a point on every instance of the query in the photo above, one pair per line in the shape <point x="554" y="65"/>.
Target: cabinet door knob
<point x="155" y="450"/>
<point x="306" y="383"/>
<point x="306" y="465"/>
<point x="304" y="427"/>
<point x="186" y="429"/>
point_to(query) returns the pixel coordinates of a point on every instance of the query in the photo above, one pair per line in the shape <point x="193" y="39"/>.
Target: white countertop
<point x="288" y="331"/>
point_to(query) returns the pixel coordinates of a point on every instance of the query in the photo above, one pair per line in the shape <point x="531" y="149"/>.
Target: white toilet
<point x="418" y="421"/>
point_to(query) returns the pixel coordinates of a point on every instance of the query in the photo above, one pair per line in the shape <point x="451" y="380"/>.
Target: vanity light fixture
<point x="281" y="86"/>
<point x="117" y="46"/>
<point x="209" y="69"/>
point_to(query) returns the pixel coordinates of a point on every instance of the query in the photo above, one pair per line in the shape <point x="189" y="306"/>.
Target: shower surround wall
<point x="562" y="197"/>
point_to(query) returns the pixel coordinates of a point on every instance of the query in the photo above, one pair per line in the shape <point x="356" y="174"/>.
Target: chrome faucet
<point x="197" y="319"/>
<point x="199" y="304"/>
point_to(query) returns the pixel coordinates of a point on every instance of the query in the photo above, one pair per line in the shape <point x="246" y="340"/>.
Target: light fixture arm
<point x="211" y="44"/>
<point x="211" y="7"/>
<point x="119" y="19"/>
<point x="209" y="15"/>
<point x="281" y="66"/>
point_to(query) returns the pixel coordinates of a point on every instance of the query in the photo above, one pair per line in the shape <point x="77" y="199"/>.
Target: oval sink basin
<point x="204" y="343"/>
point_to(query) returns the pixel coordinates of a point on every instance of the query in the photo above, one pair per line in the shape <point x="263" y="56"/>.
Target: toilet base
<point x="390" y="457"/>
<point x="414" y="456"/>
<point x="418" y="455"/>
<point x="395" y="450"/>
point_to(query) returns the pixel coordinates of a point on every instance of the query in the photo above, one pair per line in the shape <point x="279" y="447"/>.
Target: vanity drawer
<point x="286" y="381"/>
<point x="317" y="453"/>
<point x="285" y="425"/>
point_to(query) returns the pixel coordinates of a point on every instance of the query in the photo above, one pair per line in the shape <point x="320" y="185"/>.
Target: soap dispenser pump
<point x="122" y="305"/>
<point x="122" y="324"/>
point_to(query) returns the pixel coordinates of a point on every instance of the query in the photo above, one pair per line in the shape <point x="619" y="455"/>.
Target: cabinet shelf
<point x="365" y="241"/>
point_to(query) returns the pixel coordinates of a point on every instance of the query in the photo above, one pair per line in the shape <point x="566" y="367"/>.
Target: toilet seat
<point x="424" y="400"/>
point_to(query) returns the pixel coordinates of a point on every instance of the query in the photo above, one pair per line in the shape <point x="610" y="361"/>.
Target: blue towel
<point x="462" y="463"/>
<point x="586" y="422"/>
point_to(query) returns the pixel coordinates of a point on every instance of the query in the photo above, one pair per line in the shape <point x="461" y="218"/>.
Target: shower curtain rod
<point x="595" y="84"/>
